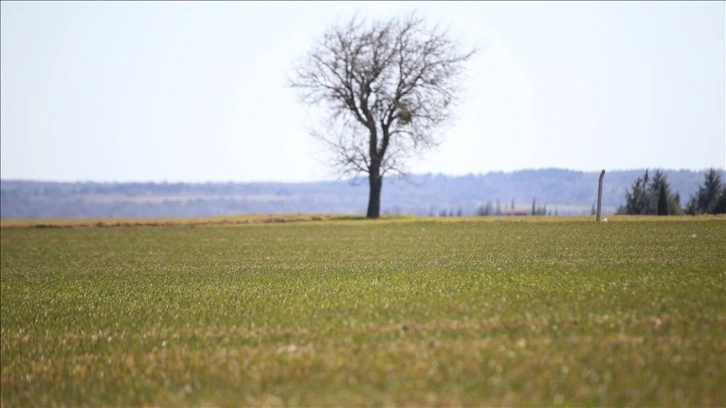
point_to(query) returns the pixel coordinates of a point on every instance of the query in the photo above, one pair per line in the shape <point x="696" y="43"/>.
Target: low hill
<point x="562" y="192"/>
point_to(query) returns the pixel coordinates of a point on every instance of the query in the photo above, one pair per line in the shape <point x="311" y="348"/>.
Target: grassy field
<point x="406" y="312"/>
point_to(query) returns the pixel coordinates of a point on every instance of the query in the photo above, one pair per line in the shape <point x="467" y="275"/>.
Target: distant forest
<point x="548" y="191"/>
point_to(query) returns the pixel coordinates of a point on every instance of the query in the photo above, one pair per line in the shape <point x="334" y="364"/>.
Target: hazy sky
<point x="196" y="91"/>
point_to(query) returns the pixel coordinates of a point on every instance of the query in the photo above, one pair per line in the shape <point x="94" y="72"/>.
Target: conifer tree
<point x="709" y="196"/>
<point x="650" y="196"/>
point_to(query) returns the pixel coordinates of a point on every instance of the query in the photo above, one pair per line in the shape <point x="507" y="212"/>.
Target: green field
<point x="405" y="312"/>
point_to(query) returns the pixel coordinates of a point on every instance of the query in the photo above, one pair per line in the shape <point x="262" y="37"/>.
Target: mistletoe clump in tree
<point x="387" y="86"/>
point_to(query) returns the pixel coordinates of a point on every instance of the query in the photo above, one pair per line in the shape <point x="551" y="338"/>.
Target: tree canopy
<point x="711" y="196"/>
<point x="651" y="196"/>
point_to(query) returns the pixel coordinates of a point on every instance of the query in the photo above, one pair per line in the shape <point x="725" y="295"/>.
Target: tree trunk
<point x="375" y="181"/>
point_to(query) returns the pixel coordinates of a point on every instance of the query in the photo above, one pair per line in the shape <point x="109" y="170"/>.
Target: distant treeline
<point x="653" y="196"/>
<point x="543" y="192"/>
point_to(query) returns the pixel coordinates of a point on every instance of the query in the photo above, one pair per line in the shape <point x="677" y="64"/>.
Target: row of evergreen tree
<point x="489" y="209"/>
<point x="496" y="208"/>
<point x="653" y="196"/>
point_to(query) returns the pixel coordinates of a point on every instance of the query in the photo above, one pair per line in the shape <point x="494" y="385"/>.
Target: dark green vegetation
<point x="392" y="312"/>
<point x="711" y="196"/>
<point x="652" y="196"/>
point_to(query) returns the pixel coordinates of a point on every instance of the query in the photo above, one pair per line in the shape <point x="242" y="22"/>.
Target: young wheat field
<point x="344" y="312"/>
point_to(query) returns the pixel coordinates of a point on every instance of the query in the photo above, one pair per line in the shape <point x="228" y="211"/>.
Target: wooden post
<point x="599" y="195"/>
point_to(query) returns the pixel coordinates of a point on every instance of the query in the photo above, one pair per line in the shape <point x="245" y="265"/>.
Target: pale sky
<point x="196" y="91"/>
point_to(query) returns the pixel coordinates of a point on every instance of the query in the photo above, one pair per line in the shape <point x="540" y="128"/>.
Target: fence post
<point x="599" y="195"/>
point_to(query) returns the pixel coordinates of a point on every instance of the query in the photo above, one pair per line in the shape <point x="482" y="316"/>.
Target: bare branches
<point x="388" y="86"/>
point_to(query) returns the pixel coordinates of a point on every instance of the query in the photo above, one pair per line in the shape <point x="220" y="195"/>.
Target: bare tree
<point x="388" y="86"/>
